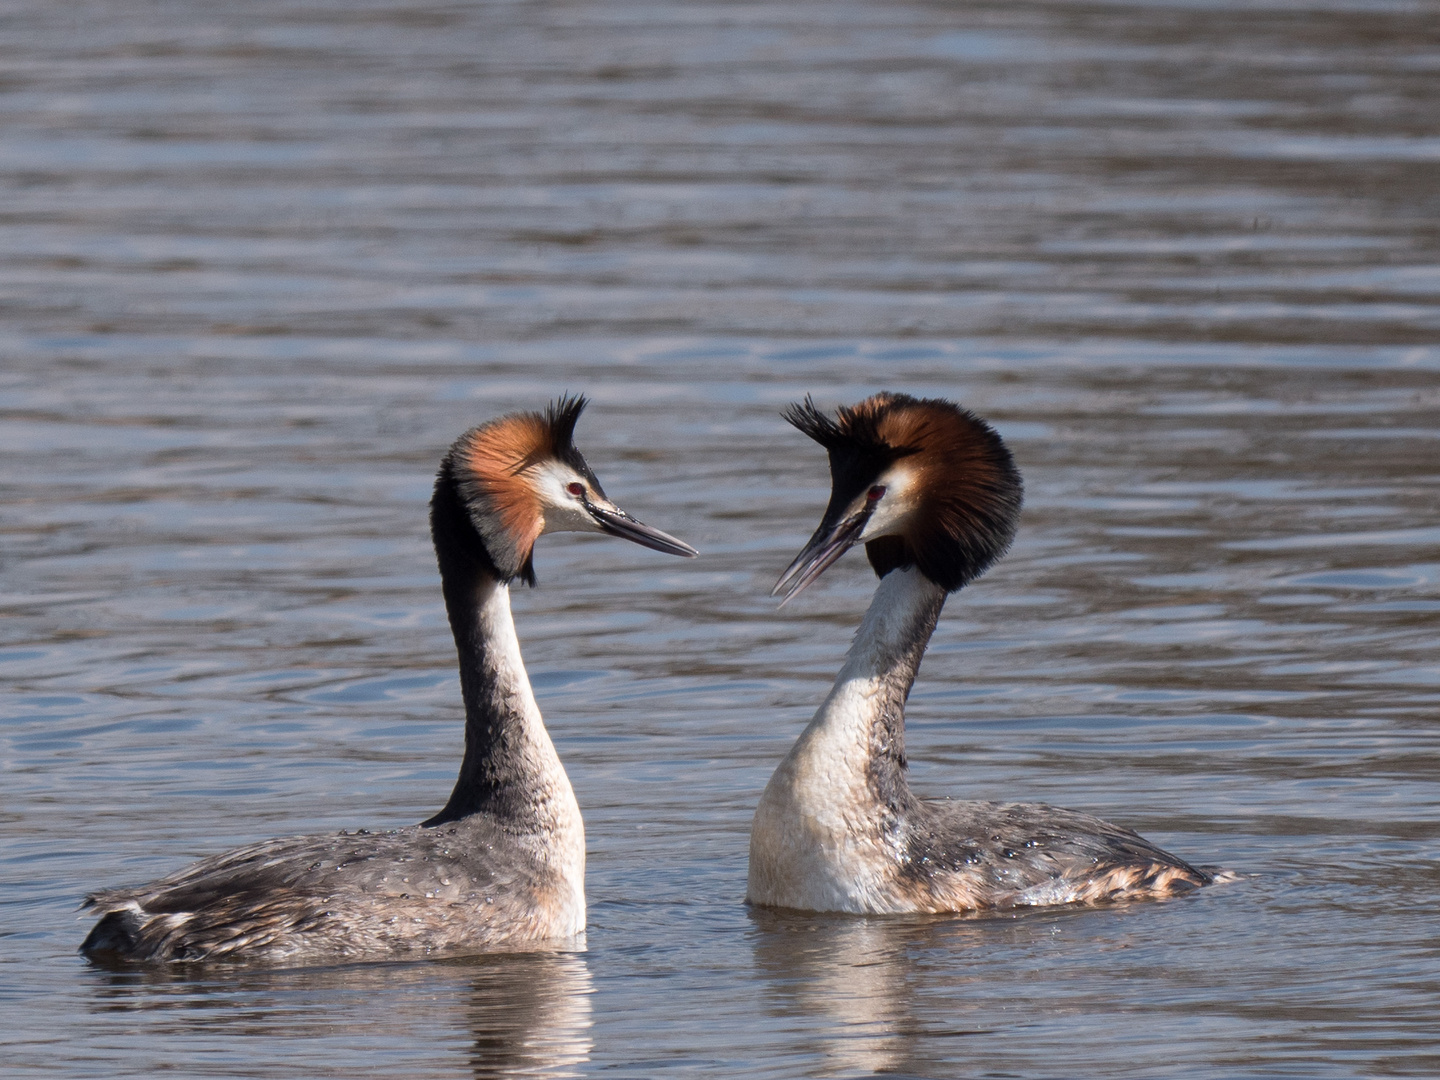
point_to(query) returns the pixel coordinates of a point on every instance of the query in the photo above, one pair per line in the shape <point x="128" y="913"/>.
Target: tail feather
<point x="116" y="934"/>
<point x="128" y="930"/>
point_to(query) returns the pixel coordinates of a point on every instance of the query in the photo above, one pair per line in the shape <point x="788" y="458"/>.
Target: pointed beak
<point x="617" y="522"/>
<point x="831" y="540"/>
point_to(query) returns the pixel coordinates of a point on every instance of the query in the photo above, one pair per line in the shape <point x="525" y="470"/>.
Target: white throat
<point x="877" y="674"/>
<point x="502" y="656"/>
<point x="889" y="643"/>
<point x="825" y="829"/>
<point x="554" y="815"/>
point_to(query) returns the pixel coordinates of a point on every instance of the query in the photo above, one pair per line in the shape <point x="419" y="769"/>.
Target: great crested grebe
<point x="503" y="863"/>
<point x="932" y="493"/>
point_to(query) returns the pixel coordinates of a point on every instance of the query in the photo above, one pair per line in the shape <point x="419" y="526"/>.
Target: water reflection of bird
<point x="932" y="493"/>
<point x="504" y="861"/>
<point x="501" y="1014"/>
<point x="531" y="1016"/>
<point x="855" y="978"/>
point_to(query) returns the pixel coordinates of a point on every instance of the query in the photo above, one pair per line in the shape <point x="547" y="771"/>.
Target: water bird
<point x="503" y="863"/>
<point x="932" y="492"/>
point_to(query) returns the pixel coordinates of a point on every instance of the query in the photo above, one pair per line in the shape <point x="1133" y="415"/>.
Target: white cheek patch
<point x="563" y="511"/>
<point x="892" y="513"/>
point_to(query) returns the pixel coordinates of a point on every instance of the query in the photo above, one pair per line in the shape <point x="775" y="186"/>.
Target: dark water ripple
<point x="262" y="261"/>
<point x="1199" y="171"/>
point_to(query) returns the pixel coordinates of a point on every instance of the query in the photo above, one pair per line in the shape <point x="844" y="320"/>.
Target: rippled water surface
<point x="263" y="260"/>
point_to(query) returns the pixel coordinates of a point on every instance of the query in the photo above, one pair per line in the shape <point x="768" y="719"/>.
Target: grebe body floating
<point x="933" y="494"/>
<point x="503" y="864"/>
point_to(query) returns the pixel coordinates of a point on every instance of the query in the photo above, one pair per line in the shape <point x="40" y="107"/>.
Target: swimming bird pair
<point x="932" y="493"/>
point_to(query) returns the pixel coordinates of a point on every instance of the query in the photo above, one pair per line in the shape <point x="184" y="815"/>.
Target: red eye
<point x="875" y="493"/>
<point x="575" y="489"/>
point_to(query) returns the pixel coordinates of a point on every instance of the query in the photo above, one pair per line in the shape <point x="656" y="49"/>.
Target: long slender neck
<point x="510" y="769"/>
<point x="861" y="725"/>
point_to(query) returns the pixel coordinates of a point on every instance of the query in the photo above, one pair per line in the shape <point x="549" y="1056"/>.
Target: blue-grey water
<point x="261" y="261"/>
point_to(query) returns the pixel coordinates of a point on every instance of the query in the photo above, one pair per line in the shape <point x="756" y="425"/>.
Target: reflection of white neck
<point x="532" y="1015"/>
<point x="824" y="834"/>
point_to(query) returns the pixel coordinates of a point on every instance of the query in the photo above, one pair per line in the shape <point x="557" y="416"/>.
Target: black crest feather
<point x="856" y="431"/>
<point x="806" y="416"/>
<point x="561" y="416"/>
<point x="858" y="452"/>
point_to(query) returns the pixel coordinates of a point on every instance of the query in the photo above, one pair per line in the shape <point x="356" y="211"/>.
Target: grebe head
<point x="919" y="481"/>
<point x="520" y="476"/>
